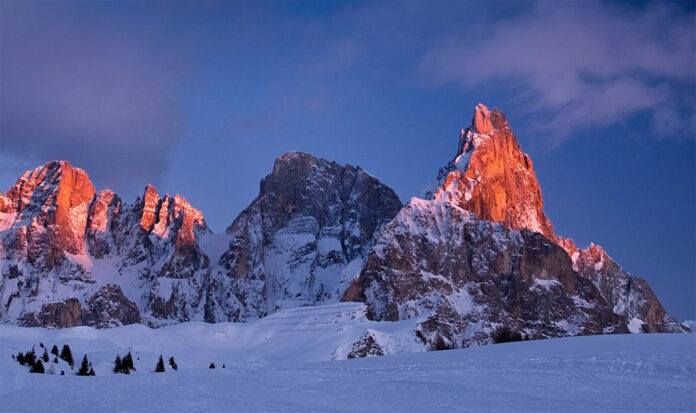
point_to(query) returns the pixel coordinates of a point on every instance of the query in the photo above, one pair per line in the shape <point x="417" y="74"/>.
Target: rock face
<point x="465" y="278"/>
<point x="475" y="262"/>
<point x="629" y="296"/>
<point x="491" y="176"/>
<point x="302" y="240"/>
<point x="69" y="254"/>
<point x="480" y="257"/>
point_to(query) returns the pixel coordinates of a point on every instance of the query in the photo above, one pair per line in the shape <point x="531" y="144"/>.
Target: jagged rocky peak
<point x="157" y="215"/>
<point x="51" y="203"/>
<point x="466" y="278"/>
<point x="62" y="245"/>
<point x="480" y="257"/>
<point x="303" y="239"/>
<point x="629" y="296"/>
<point x="492" y="177"/>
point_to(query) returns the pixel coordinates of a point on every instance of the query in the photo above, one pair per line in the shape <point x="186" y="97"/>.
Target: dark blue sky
<point x="199" y="98"/>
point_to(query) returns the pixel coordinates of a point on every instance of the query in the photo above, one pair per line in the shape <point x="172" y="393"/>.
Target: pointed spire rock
<point x="57" y="195"/>
<point x="150" y="203"/>
<point x="491" y="176"/>
<point x="481" y="121"/>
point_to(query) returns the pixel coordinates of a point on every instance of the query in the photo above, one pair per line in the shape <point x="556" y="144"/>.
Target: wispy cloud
<point x="573" y="65"/>
<point x="79" y="89"/>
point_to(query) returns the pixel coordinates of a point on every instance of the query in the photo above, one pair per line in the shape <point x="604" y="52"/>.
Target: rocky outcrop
<point x="491" y="176"/>
<point x="303" y="239"/>
<point x="465" y="277"/>
<point x="66" y="251"/>
<point x="479" y="256"/>
<point x="628" y="296"/>
<point x="47" y="207"/>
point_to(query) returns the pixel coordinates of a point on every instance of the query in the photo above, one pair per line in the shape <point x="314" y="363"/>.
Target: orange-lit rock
<point x="150" y="203"/>
<point x="491" y="176"/>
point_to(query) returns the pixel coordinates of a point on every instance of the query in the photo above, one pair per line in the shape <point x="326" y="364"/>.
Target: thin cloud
<point x="78" y="89"/>
<point x="580" y="64"/>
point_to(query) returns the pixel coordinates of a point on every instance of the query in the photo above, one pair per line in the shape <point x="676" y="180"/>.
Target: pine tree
<point x="54" y="350"/>
<point x="20" y="358"/>
<point x="160" y="365"/>
<point x="30" y="357"/>
<point x="212" y="366"/>
<point x="118" y="366"/>
<point x="41" y="345"/>
<point x="45" y="356"/>
<point x="91" y="372"/>
<point x="62" y="372"/>
<point x="55" y="360"/>
<point x="66" y="355"/>
<point x="84" y="368"/>
<point x="37" y="367"/>
<point x="128" y="363"/>
<point x="173" y="363"/>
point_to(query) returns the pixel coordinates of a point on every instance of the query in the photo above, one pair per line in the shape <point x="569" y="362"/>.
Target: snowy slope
<point x="277" y="372"/>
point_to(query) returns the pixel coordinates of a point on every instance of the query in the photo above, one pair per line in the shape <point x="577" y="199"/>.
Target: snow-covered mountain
<point x="302" y="240"/>
<point x="479" y="258"/>
<point x="71" y="256"/>
<point x="475" y="259"/>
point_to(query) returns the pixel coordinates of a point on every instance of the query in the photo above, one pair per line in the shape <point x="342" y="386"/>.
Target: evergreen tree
<point x="20" y="358"/>
<point x="173" y="363"/>
<point x="66" y="355"/>
<point x="223" y="366"/>
<point x="118" y="365"/>
<point x="30" y="357"/>
<point x="91" y="372"/>
<point x="84" y="367"/>
<point x="212" y="366"/>
<point x="37" y="367"/>
<point x="62" y="372"/>
<point x="160" y="365"/>
<point x="54" y="350"/>
<point x="41" y="345"/>
<point x="45" y="356"/>
<point x="128" y="363"/>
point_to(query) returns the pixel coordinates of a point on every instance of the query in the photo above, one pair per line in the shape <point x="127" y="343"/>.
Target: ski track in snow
<point x="282" y="363"/>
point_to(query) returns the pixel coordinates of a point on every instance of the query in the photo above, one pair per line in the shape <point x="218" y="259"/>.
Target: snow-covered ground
<point x="284" y="363"/>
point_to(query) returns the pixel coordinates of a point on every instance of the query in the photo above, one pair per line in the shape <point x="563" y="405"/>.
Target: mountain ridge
<point x="478" y="254"/>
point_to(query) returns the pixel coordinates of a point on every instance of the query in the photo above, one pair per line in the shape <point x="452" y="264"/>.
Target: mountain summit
<point x="475" y="261"/>
<point x="478" y="258"/>
<point x="491" y="176"/>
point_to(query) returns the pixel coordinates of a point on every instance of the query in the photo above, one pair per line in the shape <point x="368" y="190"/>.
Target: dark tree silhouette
<point x="37" y="367"/>
<point x="66" y="355"/>
<point x="54" y="350"/>
<point x="128" y="363"/>
<point x="212" y="366"/>
<point x="160" y="365"/>
<point x="84" y="367"/>
<point x="45" y="356"/>
<point x="30" y="357"/>
<point x="20" y="358"/>
<point x="173" y="363"/>
<point x="118" y="365"/>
